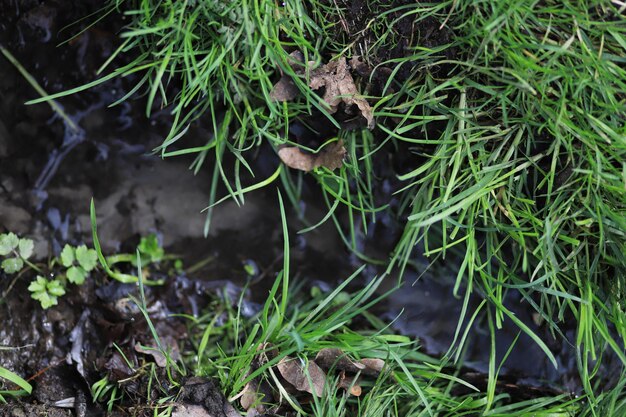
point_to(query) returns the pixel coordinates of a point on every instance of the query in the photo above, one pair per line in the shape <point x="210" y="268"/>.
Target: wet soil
<point x="48" y="176"/>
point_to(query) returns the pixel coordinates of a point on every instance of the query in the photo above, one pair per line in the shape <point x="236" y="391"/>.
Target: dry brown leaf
<point x="256" y="391"/>
<point x="333" y="357"/>
<point x="249" y="395"/>
<point x="254" y="394"/>
<point x="327" y="358"/>
<point x="295" y="158"/>
<point x="373" y="366"/>
<point x="352" y="384"/>
<point x="293" y="371"/>
<point x="331" y="157"/>
<point x="339" y="87"/>
<point x="336" y="79"/>
<point x="169" y="343"/>
<point x="359" y="66"/>
<point x="284" y="90"/>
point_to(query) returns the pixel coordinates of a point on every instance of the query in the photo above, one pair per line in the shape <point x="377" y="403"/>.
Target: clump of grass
<point x="527" y="176"/>
<point x="198" y="58"/>
<point x="295" y="323"/>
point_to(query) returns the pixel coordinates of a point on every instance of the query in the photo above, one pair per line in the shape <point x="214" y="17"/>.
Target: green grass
<point x="298" y="324"/>
<point x="15" y="381"/>
<point x="509" y="133"/>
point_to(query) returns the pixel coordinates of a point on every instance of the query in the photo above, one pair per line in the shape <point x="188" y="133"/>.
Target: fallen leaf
<point x="118" y="367"/>
<point x="249" y="395"/>
<point x="339" y="87"/>
<point x="169" y="343"/>
<point x="329" y="358"/>
<point x="284" y="90"/>
<point x="359" y="66"/>
<point x="311" y="380"/>
<point x="256" y="391"/>
<point x="334" y="77"/>
<point x="331" y="156"/>
<point x="373" y="366"/>
<point x="253" y="395"/>
<point x="350" y="384"/>
<point x="335" y="358"/>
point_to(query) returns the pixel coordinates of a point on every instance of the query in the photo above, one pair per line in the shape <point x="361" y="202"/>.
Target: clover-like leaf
<point x="38" y="285"/>
<point x="8" y="242"/>
<point x="55" y="288"/>
<point x="76" y="275"/>
<point x="44" y="299"/>
<point x="67" y="256"/>
<point x="87" y="258"/>
<point x="26" y="247"/>
<point x="12" y="265"/>
<point x="150" y="248"/>
<point x="46" y="292"/>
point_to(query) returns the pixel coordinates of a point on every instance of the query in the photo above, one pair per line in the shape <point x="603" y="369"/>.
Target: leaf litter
<point x="308" y="377"/>
<point x="339" y="92"/>
<point x="336" y="80"/>
<point x="331" y="156"/>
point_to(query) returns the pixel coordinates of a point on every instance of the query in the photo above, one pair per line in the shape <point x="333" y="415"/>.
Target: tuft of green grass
<point x="25" y="388"/>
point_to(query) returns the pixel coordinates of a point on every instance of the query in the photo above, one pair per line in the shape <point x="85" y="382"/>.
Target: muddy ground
<point x="48" y="174"/>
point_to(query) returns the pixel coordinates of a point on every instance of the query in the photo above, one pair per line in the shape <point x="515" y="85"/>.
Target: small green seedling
<point x="79" y="261"/>
<point x="150" y="250"/>
<point x="16" y="251"/>
<point x="46" y="292"/>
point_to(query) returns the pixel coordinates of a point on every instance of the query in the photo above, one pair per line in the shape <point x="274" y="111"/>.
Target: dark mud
<point x="363" y="24"/>
<point x="49" y="173"/>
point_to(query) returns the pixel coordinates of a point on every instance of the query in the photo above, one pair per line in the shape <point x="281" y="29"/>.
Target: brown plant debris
<point x="170" y="344"/>
<point x="331" y="156"/>
<point x="338" y="84"/>
<point x="373" y="366"/>
<point x="257" y="392"/>
<point x="352" y="384"/>
<point x="309" y="378"/>
<point x="284" y="90"/>
<point x="339" y="87"/>
<point x="337" y="359"/>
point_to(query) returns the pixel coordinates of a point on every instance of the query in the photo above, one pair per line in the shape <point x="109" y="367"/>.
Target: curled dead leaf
<point x="373" y="366"/>
<point x="339" y="87"/>
<point x="284" y="90"/>
<point x="334" y="77"/>
<point x="310" y="378"/>
<point x="254" y="394"/>
<point x="328" y="358"/>
<point x="169" y="343"/>
<point x="335" y="358"/>
<point x="352" y="384"/>
<point x="331" y="157"/>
